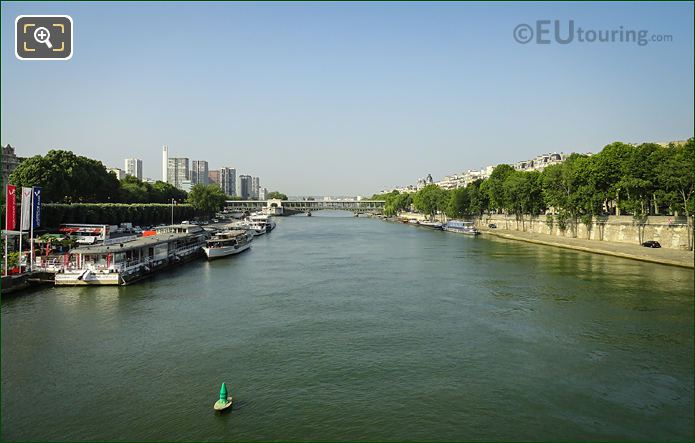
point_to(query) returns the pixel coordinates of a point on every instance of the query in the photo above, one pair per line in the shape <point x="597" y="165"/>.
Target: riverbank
<point x="672" y="257"/>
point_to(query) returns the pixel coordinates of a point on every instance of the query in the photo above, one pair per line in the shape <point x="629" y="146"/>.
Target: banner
<point x="37" y="207"/>
<point x="25" y="219"/>
<point x="10" y="208"/>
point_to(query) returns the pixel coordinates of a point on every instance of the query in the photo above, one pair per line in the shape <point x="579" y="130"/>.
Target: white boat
<point x="227" y="243"/>
<point x="461" y="227"/>
<point x="261" y="223"/>
<point x="431" y="224"/>
<point x="114" y="263"/>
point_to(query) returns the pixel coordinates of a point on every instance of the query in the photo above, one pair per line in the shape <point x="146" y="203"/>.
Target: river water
<point x="348" y="328"/>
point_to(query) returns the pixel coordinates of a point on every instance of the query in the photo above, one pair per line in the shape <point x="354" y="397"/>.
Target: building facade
<point x="178" y="171"/>
<point x="199" y="172"/>
<point x="118" y="172"/>
<point x="214" y="176"/>
<point x="9" y="162"/>
<point x="165" y="164"/>
<point x="133" y="166"/>
<point x="227" y="181"/>
<point x="255" y="187"/>
<point x="245" y="187"/>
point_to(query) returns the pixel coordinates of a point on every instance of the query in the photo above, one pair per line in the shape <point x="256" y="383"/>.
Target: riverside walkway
<point x="673" y="257"/>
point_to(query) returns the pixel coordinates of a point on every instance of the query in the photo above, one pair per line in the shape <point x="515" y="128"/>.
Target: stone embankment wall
<point x="670" y="232"/>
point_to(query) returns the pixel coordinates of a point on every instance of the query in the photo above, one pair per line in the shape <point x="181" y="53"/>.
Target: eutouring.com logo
<point x="546" y="32"/>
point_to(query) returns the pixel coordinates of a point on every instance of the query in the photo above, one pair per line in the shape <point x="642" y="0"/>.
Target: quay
<point x="664" y="256"/>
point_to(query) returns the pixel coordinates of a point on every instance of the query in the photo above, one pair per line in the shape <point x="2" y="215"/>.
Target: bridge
<point x="289" y="207"/>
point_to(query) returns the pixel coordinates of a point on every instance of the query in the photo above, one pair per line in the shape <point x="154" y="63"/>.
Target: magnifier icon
<point x="42" y="35"/>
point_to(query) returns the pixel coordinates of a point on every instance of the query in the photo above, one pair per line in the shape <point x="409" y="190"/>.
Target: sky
<point x="345" y="98"/>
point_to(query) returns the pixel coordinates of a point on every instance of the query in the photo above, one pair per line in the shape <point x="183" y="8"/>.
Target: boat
<point x="224" y="402"/>
<point x="412" y="221"/>
<point x="461" y="227"/>
<point x="261" y="223"/>
<point x="227" y="243"/>
<point x="431" y="224"/>
<point x="124" y="262"/>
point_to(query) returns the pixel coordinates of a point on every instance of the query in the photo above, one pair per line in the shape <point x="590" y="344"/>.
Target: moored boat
<point x="227" y="243"/>
<point x="431" y="224"/>
<point x="128" y="261"/>
<point x="261" y="223"/>
<point x="461" y="227"/>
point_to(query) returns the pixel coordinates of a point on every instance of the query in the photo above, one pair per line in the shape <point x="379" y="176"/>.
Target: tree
<point x="675" y="177"/>
<point x="494" y="187"/>
<point x="430" y="199"/>
<point x="459" y="203"/>
<point x="207" y="199"/>
<point x="479" y="201"/>
<point x="66" y="177"/>
<point x="277" y="195"/>
<point x="163" y="192"/>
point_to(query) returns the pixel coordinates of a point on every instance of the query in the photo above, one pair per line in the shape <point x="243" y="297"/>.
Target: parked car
<point x="651" y="244"/>
<point x="492" y="226"/>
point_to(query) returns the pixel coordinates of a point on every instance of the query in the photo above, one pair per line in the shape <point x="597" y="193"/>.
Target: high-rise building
<point x="178" y="171"/>
<point x="255" y="187"/>
<point x="199" y="172"/>
<point x="118" y="172"/>
<point x="133" y="166"/>
<point x="165" y="164"/>
<point x="214" y="176"/>
<point x="227" y="181"/>
<point x="263" y="194"/>
<point x="245" y="187"/>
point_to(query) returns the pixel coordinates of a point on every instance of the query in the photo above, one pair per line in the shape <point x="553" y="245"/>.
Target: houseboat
<point x="227" y="243"/>
<point x="261" y="223"/>
<point x="462" y="227"/>
<point x="124" y="262"/>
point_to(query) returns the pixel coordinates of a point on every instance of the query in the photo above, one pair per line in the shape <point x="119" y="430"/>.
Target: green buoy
<point x="224" y="402"/>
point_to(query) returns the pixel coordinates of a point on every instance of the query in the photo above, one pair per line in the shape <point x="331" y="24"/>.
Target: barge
<point x="124" y="262"/>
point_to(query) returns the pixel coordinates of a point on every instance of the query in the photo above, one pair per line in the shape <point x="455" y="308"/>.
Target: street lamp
<point x="172" y="211"/>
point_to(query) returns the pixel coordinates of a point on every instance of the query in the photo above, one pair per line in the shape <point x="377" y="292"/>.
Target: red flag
<point x="10" y="208"/>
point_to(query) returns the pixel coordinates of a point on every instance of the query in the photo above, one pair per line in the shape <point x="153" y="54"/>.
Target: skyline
<point x="344" y="99"/>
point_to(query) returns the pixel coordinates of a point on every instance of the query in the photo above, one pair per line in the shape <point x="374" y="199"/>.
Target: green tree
<point x="479" y="201"/>
<point x="66" y="177"/>
<point x="430" y="199"/>
<point x="675" y="177"/>
<point x="163" y="192"/>
<point x="494" y="187"/>
<point x="277" y="195"/>
<point x="459" y="203"/>
<point x="207" y="199"/>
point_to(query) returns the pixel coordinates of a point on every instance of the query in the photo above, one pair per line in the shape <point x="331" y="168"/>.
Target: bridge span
<point x="289" y="207"/>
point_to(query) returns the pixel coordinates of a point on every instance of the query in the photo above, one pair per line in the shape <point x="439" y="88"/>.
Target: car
<point x="186" y="222"/>
<point x="651" y="244"/>
<point x="492" y="226"/>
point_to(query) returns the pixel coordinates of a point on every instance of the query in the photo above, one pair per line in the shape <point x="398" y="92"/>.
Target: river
<point x="352" y="328"/>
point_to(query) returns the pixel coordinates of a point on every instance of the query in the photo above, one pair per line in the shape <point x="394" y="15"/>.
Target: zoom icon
<point x="43" y="37"/>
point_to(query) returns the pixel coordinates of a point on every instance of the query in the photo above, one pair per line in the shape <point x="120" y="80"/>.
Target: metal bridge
<point x="288" y="207"/>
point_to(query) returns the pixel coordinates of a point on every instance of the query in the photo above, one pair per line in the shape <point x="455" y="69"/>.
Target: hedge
<point x="53" y="214"/>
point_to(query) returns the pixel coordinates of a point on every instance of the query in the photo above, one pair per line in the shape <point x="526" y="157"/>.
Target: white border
<point x="72" y="41"/>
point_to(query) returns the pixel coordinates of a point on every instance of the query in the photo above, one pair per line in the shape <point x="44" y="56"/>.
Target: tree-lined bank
<point x="648" y="179"/>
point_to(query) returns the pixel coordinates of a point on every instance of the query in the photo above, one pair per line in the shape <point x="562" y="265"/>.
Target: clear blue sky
<point x="344" y="98"/>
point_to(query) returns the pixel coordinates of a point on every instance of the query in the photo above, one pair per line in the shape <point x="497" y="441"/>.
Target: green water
<point x="341" y="328"/>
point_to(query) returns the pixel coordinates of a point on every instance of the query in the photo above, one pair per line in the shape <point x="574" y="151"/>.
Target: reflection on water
<point x="334" y="328"/>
